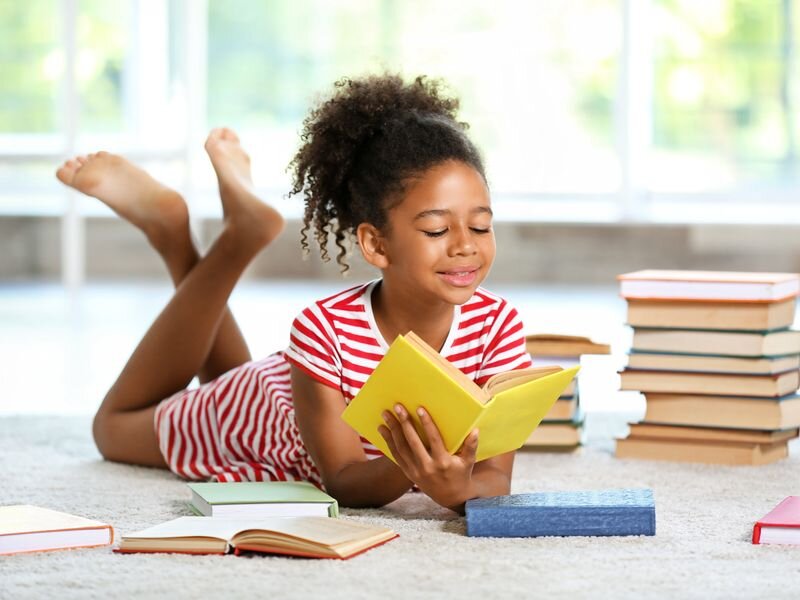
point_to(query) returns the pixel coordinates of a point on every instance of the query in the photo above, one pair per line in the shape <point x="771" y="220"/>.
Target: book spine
<point x="558" y="521"/>
<point x="757" y="533"/>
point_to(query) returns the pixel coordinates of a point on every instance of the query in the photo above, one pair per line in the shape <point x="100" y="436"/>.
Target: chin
<point x="460" y="295"/>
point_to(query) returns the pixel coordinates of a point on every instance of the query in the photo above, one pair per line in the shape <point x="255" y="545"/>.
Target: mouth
<point x="461" y="277"/>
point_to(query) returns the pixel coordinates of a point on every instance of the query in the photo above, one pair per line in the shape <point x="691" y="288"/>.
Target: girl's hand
<point x="445" y="477"/>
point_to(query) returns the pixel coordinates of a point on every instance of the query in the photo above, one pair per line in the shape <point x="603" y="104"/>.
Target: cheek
<point x="488" y="245"/>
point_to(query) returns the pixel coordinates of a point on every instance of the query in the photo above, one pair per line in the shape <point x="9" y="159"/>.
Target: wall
<point x="551" y="253"/>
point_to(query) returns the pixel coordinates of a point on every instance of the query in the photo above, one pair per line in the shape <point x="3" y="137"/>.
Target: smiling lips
<point x="461" y="277"/>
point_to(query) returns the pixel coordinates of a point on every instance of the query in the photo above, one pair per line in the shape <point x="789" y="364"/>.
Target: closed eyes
<point x="441" y="232"/>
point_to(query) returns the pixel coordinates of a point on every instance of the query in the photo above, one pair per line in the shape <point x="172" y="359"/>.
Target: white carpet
<point x="704" y="517"/>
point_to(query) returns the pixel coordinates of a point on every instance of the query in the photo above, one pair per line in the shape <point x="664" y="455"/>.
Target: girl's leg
<point x="181" y="340"/>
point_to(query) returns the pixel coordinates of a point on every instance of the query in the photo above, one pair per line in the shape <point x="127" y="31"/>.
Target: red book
<point x="781" y="525"/>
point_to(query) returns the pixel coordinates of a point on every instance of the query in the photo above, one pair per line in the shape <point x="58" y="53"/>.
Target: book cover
<point x="645" y="429"/>
<point x="688" y="314"/>
<point x="26" y="528"/>
<point x="556" y="345"/>
<point x="781" y="525"/>
<point x="505" y="413"/>
<point x="656" y="361"/>
<point x="717" y="343"/>
<point x="310" y="537"/>
<point x="563" y="410"/>
<point x="261" y="499"/>
<point x="711" y="452"/>
<point x="724" y="411"/>
<point x="692" y="382"/>
<point x="618" y="512"/>
<point x="709" y="285"/>
<point x="555" y="436"/>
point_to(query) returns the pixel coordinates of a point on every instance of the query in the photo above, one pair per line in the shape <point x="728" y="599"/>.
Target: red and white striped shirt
<point x="241" y="426"/>
<point x="337" y="341"/>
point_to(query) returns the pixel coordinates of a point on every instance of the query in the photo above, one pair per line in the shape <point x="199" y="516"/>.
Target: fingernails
<point x="399" y="410"/>
<point x="385" y="416"/>
<point x="421" y="412"/>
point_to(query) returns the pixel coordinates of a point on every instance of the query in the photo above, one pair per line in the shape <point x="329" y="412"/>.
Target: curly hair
<point x="363" y="146"/>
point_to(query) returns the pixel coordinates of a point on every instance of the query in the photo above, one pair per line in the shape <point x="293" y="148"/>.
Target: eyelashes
<point x="441" y="232"/>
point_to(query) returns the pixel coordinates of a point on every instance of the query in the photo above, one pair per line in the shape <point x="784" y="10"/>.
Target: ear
<point x="371" y="243"/>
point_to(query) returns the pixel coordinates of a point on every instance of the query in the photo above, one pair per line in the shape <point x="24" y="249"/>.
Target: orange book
<point x="717" y="286"/>
<point x="25" y="528"/>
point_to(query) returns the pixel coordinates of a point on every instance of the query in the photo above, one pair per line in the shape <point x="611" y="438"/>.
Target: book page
<point x="222" y="529"/>
<point x="509" y="379"/>
<point x="321" y="531"/>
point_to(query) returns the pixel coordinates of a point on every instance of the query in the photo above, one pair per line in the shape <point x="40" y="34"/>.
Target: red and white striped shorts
<point x="238" y="427"/>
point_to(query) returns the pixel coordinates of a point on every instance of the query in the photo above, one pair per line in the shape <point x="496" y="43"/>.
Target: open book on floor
<point x="505" y="410"/>
<point x="310" y="537"/>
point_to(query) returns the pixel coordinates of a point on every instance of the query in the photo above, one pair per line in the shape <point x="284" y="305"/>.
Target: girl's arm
<point x="336" y="449"/>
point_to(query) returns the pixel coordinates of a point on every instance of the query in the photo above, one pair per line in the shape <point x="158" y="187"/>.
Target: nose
<point x="462" y="242"/>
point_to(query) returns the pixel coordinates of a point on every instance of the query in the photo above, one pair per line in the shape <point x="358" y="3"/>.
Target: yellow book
<point x="505" y="411"/>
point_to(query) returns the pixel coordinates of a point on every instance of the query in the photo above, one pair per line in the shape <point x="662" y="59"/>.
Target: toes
<point x="222" y="133"/>
<point x="66" y="172"/>
<point x="229" y="134"/>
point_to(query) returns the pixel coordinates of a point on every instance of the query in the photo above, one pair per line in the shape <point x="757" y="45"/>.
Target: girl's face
<point x="439" y="242"/>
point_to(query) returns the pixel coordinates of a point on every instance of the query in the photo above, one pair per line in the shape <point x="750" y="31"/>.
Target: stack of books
<point x="717" y="362"/>
<point x="561" y="429"/>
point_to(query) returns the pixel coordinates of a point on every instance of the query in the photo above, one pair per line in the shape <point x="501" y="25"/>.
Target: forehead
<point x="451" y="186"/>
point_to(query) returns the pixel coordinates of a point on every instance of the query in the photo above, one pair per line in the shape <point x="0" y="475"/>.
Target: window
<point x="585" y="110"/>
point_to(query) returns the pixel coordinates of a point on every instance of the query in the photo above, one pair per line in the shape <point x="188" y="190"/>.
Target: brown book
<point x="654" y="361"/>
<point x="742" y="316"/>
<point x="554" y="345"/>
<point x="718" y="343"/>
<point x="555" y="435"/>
<point x="723" y="411"/>
<point x="717" y="453"/>
<point x="726" y="384"/>
<point x="710" y="434"/>
<point x="563" y="410"/>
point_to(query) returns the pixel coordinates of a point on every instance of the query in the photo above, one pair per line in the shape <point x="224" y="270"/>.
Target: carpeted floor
<point x="702" y="548"/>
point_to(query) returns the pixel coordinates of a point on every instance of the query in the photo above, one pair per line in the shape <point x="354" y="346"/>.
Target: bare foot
<point x="133" y="194"/>
<point x="242" y="209"/>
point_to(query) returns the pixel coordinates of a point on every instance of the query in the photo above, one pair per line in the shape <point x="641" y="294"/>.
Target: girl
<point x="382" y="163"/>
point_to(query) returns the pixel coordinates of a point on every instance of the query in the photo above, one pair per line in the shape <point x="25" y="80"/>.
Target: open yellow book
<point x="311" y="537"/>
<point x="505" y="411"/>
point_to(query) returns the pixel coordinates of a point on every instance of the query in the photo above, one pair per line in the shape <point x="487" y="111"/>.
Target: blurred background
<point x="618" y="135"/>
<point x="589" y="112"/>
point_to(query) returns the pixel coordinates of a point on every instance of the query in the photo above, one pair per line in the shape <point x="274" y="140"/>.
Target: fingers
<point x="396" y="439"/>
<point x="404" y="436"/>
<point x="437" y="449"/>
<point x="469" y="449"/>
<point x="412" y="438"/>
<point x="386" y="434"/>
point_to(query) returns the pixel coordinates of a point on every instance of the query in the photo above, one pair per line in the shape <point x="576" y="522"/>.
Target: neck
<point x="399" y="311"/>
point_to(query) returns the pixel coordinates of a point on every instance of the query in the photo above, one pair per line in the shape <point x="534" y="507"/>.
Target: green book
<point x="261" y="499"/>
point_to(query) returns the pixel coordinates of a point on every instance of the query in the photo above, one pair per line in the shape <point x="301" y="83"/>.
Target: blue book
<point x="605" y="512"/>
